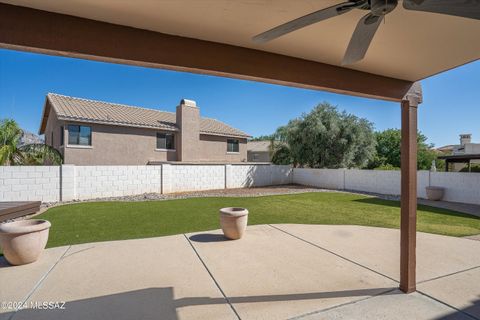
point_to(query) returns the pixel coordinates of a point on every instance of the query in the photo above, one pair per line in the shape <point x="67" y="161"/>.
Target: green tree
<point x="388" y="151"/>
<point x="261" y="138"/>
<point x="281" y="153"/>
<point x="327" y="138"/>
<point x="31" y="154"/>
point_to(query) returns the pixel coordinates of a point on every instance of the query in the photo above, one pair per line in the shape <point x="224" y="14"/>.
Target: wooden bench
<point x="15" y="209"/>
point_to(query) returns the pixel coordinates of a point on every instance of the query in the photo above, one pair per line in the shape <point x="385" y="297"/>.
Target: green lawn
<point x="100" y="221"/>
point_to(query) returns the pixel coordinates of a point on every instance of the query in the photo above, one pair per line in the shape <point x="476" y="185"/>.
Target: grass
<point x="102" y="221"/>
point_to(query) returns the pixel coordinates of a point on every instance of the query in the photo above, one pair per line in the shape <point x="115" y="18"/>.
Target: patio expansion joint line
<point x="39" y="283"/>
<point x="446" y="304"/>
<point x="299" y="317"/>
<point x="213" y="278"/>
<point x="335" y="254"/>
<point x="448" y="275"/>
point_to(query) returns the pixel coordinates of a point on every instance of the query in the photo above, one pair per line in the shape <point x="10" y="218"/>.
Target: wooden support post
<point x="408" y="224"/>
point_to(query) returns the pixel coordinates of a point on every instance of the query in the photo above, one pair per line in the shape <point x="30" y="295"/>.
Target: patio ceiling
<point x="408" y="46"/>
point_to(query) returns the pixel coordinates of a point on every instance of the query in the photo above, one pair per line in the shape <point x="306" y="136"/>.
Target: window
<point x="232" y="145"/>
<point x="165" y="141"/>
<point x="61" y="135"/>
<point x="79" y="135"/>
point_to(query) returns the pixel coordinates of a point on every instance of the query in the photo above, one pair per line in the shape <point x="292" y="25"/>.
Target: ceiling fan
<point x="368" y="24"/>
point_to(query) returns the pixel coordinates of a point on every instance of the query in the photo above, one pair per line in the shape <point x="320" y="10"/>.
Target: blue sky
<point x="451" y="100"/>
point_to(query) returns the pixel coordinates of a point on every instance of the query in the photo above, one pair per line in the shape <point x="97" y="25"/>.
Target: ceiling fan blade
<point x="361" y="38"/>
<point x="461" y="8"/>
<point x="307" y="20"/>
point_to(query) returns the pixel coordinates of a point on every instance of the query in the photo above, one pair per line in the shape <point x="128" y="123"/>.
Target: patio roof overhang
<point x="214" y="37"/>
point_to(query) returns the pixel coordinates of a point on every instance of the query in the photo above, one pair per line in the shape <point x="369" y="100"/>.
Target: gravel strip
<point x="238" y="192"/>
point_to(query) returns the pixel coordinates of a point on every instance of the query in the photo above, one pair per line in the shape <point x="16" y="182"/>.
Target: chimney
<point x="188" y="122"/>
<point x="465" y="138"/>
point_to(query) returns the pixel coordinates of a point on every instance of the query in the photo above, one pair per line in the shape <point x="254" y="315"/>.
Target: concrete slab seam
<point x="341" y="305"/>
<point x="446" y="304"/>
<point x="38" y="284"/>
<point x="447" y="275"/>
<point x="213" y="278"/>
<point x="335" y="254"/>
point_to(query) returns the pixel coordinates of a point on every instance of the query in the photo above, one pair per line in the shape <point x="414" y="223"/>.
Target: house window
<point x="61" y="135"/>
<point x="232" y="145"/>
<point x="165" y="141"/>
<point x="79" y="135"/>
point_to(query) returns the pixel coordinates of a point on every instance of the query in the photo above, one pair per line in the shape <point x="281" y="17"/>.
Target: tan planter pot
<point x="435" y="193"/>
<point x="233" y="222"/>
<point x="23" y="241"/>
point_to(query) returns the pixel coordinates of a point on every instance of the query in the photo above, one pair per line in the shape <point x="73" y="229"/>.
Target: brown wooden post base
<point x="408" y="224"/>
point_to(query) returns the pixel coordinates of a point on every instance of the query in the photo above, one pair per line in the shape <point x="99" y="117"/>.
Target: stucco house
<point x="89" y="132"/>
<point x="259" y="151"/>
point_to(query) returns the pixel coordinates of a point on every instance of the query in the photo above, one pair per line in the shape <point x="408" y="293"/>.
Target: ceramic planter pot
<point x="233" y="222"/>
<point x="23" y="241"/>
<point x="435" y="193"/>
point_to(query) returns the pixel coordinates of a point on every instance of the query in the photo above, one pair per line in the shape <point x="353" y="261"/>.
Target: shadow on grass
<point x="396" y="204"/>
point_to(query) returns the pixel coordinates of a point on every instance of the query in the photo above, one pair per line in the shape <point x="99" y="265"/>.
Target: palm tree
<point x="31" y="154"/>
<point x="10" y="135"/>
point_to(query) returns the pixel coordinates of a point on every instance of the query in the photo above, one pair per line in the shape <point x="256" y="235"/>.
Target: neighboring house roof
<point x="258" y="146"/>
<point x="92" y="111"/>
<point x="448" y="147"/>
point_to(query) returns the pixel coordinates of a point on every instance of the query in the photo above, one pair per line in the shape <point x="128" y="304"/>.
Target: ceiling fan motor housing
<point x="382" y="7"/>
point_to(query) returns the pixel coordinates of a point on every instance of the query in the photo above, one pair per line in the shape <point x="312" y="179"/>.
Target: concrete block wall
<point x="244" y="176"/>
<point x="30" y="183"/>
<point x="376" y="181"/>
<point x="320" y="178"/>
<point x="281" y="175"/>
<point x="459" y="186"/>
<point x="196" y="177"/>
<point x="70" y="182"/>
<point x="115" y="181"/>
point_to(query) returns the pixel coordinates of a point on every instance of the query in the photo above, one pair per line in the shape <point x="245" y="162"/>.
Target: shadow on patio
<point x="159" y="303"/>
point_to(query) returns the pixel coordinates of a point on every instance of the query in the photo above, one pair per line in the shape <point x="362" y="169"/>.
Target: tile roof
<point x="78" y="109"/>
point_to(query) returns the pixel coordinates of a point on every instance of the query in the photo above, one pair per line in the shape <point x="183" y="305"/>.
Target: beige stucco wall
<point x="53" y="126"/>
<point x="115" y="145"/>
<point x="214" y="148"/>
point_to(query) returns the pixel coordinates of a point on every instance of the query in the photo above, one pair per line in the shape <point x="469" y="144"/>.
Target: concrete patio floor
<point x="274" y="272"/>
